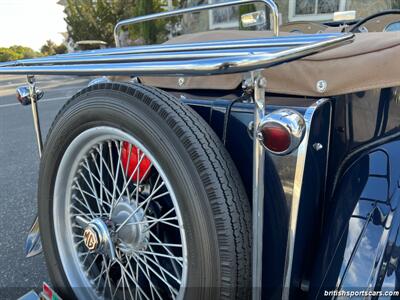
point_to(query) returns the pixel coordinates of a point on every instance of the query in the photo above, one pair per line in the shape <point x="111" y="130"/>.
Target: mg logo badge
<point x="90" y="238"/>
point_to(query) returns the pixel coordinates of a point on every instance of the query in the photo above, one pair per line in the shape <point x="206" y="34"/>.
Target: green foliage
<point x="21" y="52"/>
<point x="95" y="20"/>
<point x="24" y="52"/>
<point x="17" y="52"/>
<point x="149" y="31"/>
<point x="61" y="49"/>
<point x="6" y="54"/>
<point x="395" y="4"/>
<point x="50" y="48"/>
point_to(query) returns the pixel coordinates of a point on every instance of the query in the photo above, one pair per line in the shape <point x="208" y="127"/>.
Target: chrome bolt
<point x="141" y="188"/>
<point x="247" y="84"/>
<point x="135" y="80"/>
<point x="262" y="83"/>
<point x="317" y="146"/>
<point x="250" y="129"/>
<point x="181" y="81"/>
<point x="250" y="126"/>
<point x="322" y="86"/>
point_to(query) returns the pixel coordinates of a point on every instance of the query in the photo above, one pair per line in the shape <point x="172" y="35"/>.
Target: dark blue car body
<point x="348" y="221"/>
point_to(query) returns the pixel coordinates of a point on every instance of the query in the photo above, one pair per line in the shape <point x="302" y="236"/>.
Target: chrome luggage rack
<point x="209" y="58"/>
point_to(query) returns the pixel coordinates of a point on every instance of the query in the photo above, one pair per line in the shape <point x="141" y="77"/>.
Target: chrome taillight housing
<point x="24" y="96"/>
<point x="281" y="131"/>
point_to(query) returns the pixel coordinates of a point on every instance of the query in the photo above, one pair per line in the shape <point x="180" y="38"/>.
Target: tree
<point x="17" y="52"/>
<point x="50" y="48"/>
<point x="149" y="31"/>
<point x="61" y="49"/>
<point x="6" y="54"/>
<point x="24" y="52"/>
<point x="95" y="20"/>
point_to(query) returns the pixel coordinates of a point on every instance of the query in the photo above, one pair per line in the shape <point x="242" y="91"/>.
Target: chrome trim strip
<point x="259" y="83"/>
<point x="271" y="4"/>
<point x="209" y="66"/>
<point x="294" y="210"/>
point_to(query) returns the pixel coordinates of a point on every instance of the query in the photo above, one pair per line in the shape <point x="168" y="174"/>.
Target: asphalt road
<point x="19" y="162"/>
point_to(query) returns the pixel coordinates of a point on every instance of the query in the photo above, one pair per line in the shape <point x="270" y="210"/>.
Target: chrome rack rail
<point x="269" y="3"/>
<point x="203" y="50"/>
<point x="209" y="58"/>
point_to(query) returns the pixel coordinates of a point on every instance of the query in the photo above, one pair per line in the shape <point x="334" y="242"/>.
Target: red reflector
<point x="276" y="137"/>
<point x="131" y="166"/>
<point x="47" y="291"/>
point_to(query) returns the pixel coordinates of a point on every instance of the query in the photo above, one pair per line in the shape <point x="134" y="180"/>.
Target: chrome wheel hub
<point x="134" y="234"/>
<point x="97" y="238"/>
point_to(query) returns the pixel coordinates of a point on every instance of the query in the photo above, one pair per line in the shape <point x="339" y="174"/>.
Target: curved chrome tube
<point x="213" y="49"/>
<point x="176" y="67"/>
<point x="271" y="4"/>
<point x="125" y="58"/>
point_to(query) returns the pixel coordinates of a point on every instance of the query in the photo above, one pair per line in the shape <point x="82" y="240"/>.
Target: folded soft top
<point x="371" y="61"/>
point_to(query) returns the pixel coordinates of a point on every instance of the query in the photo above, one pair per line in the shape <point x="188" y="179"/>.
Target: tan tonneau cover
<point x="371" y="61"/>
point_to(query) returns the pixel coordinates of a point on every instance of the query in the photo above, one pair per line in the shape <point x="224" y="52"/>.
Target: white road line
<point x="42" y="84"/>
<point x="41" y="101"/>
<point x="51" y="89"/>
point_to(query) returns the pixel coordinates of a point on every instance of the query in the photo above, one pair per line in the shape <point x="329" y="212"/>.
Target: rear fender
<point x="363" y="224"/>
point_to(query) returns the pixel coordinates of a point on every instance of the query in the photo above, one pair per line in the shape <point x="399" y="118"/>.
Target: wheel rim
<point x="119" y="233"/>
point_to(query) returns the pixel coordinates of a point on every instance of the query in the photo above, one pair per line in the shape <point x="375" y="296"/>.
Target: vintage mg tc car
<point x="222" y="164"/>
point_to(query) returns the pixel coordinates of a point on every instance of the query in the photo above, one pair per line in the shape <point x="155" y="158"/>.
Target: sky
<point x="31" y="22"/>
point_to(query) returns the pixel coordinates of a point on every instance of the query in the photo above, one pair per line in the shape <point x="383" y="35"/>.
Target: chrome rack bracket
<point x="35" y="114"/>
<point x="33" y="244"/>
<point x="259" y="84"/>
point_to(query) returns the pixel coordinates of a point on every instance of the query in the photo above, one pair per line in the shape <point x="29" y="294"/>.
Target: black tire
<point x="206" y="182"/>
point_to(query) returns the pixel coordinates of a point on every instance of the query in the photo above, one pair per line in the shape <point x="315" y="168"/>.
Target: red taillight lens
<point x="276" y="138"/>
<point x="131" y="166"/>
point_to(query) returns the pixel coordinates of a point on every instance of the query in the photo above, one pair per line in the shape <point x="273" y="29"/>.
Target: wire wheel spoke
<point x="119" y="190"/>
